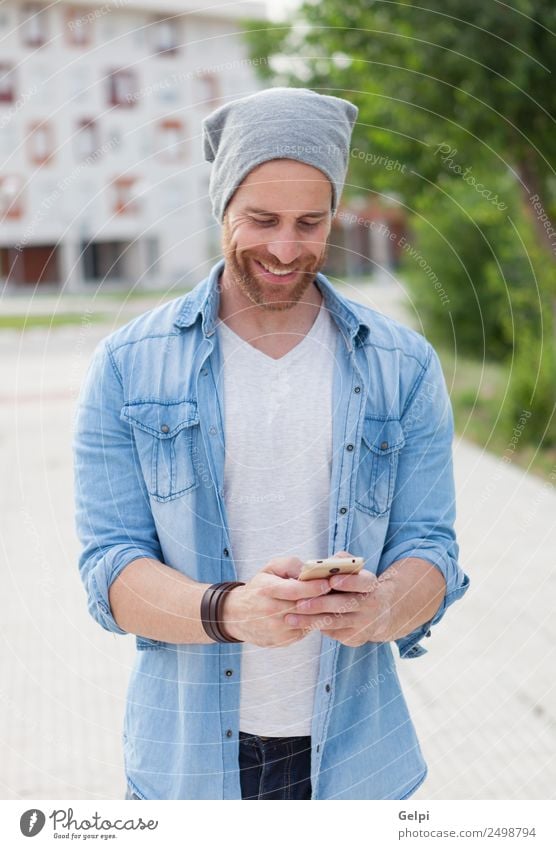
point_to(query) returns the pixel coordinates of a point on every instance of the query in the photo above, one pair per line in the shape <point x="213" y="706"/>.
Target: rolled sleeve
<point x="114" y="521"/>
<point x="421" y="522"/>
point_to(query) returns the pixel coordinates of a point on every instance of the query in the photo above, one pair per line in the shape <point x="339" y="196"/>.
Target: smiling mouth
<point x="272" y="272"/>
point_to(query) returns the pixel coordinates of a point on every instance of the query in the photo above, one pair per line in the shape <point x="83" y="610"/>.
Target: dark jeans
<point x="272" y="767"/>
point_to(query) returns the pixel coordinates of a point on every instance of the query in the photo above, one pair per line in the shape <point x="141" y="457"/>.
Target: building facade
<point x="102" y="179"/>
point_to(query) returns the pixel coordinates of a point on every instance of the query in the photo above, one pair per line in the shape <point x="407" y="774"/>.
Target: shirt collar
<point x="204" y="300"/>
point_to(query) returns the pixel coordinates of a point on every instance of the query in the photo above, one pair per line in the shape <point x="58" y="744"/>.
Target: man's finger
<point x="364" y="582"/>
<point x="284" y="567"/>
<point x="292" y="589"/>
<point x="320" y="621"/>
<point x="329" y="603"/>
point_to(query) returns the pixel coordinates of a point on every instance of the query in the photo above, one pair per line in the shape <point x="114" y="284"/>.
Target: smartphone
<point x="330" y="566"/>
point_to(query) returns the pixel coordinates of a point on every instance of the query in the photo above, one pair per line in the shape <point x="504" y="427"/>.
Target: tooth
<point x="274" y="271"/>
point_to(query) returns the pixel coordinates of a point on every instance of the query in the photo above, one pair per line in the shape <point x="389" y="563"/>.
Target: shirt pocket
<point x="381" y="444"/>
<point x="166" y="436"/>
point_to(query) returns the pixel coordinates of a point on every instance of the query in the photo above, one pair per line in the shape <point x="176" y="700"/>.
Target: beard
<point x="269" y="296"/>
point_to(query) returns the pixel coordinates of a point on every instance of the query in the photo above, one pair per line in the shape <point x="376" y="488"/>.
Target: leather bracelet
<point x="207" y="616"/>
<point x="211" y="608"/>
<point x="219" y="602"/>
<point x="215" y="610"/>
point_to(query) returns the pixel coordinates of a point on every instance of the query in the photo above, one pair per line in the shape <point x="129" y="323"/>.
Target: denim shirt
<point x="149" y="449"/>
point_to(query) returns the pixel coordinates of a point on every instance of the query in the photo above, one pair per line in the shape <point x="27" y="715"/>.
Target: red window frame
<point x="82" y="34"/>
<point x="40" y="157"/>
<point x="116" y="78"/>
<point x="7" y="87"/>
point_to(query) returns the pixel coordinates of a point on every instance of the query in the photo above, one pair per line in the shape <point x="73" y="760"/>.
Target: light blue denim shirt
<point x="149" y="467"/>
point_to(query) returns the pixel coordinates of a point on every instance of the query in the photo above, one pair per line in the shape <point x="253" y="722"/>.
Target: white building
<point x="102" y="177"/>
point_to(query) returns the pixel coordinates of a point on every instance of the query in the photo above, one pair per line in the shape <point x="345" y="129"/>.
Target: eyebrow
<point x="318" y="213"/>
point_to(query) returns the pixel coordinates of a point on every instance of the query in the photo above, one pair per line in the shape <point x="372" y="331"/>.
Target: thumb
<point x="284" y="567"/>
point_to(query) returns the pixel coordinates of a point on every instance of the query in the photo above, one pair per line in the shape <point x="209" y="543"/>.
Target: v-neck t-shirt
<point x="278" y="440"/>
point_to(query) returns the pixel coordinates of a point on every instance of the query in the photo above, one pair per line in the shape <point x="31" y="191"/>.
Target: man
<point x="229" y="435"/>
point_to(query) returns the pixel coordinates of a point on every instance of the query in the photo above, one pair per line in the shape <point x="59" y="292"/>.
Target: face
<point x="275" y="230"/>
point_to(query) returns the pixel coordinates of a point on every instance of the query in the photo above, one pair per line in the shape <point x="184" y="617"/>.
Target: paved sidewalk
<point x="483" y="698"/>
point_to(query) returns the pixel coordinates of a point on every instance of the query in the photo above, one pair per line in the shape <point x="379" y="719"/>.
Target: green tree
<point x="455" y="91"/>
<point x="474" y="74"/>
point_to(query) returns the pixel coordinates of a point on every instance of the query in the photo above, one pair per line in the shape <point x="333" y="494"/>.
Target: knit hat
<point x="277" y="123"/>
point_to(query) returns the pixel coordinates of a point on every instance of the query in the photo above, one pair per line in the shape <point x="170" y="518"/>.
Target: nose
<point x="286" y="248"/>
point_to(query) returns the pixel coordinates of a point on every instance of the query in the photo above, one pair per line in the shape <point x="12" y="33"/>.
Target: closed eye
<point x="269" y="222"/>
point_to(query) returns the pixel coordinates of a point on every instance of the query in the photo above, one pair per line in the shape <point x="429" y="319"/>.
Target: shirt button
<point x="212" y="430"/>
<point x="229" y="732"/>
<point x="327" y="688"/>
<point x="384" y="445"/>
<point x="226" y="552"/>
<point x="164" y="428"/>
<point x="318" y="748"/>
<point x="229" y="672"/>
<point x="204" y="372"/>
<point x="349" y="447"/>
<point x="357" y="390"/>
<point x="343" y="510"/>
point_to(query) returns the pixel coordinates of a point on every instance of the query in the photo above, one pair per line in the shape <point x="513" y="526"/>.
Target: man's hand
<point x="256" y="612"/>
<point x="360" y="613"/>
<point x="371" y="609"/>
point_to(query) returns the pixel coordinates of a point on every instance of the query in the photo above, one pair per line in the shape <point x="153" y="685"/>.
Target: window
<point x="86" y="138"/>
<point x="40" y="143"/>
<point x="78" y="27"/>
<point x="80" y="83"/>
<point x="173" y="196"/>
<point x="170" y="140"/>
<point x="123" y="89"/>
<point x="208" y="89"/>
<point x="115" y="139"/>
<point x="124" y="196"/>
<point x="34" y="24"/>
<point x="11" y="205"/>
<point x="168" y="93"/>
<point x="5" y="22"/>
<point x="7" y="83"/>
<point x="104" y="260"/>
<point x="31" y="264"/>
<point x="164" y="36"/>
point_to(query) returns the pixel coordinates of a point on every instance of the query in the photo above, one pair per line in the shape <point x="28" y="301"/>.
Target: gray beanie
<point x="277" y="123"/>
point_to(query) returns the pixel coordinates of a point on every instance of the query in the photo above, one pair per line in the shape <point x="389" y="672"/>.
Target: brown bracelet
<point x="211" y="608"/>
<point x="207" y="616"/>
<point x="219" y="601"/>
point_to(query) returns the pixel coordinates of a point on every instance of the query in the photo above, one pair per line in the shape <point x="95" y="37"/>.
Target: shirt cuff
<point x="457" y="583"/>
<point x="102" y="576"/>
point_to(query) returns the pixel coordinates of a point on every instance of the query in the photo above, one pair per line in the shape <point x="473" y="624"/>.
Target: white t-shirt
<point x="278" y="437"/>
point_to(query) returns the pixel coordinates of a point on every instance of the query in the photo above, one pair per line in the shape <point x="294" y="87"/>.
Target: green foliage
<point x="475" y="77"/>
<point x="531" y="331"/>
<point x="462" y="237"/>
<point x="469" y="73"/>
<point x="501" y="286"/>
<point x="265" y="39"/>
<point x="532" y="379"/>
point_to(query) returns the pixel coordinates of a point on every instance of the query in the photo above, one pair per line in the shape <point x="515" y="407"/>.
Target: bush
<point x="495" y="298"/>
<point x="459" y="234"/>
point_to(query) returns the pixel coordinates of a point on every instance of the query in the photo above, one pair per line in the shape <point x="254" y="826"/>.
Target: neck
<point x="252" y="321"/>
